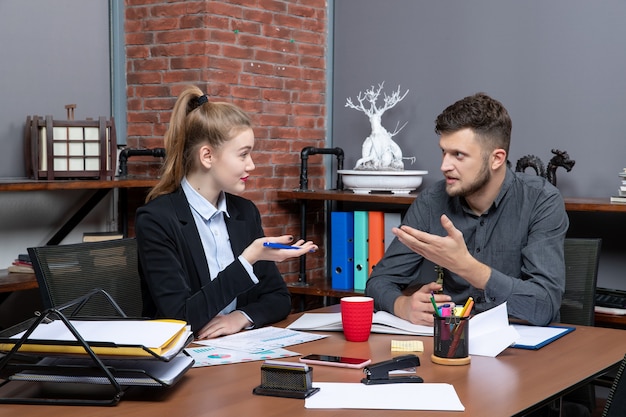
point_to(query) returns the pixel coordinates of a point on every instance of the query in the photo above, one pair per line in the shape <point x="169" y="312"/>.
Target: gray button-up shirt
<point x="520" y="237"/>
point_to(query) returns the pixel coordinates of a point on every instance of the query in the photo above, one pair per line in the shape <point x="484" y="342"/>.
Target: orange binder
<point x="376" y="237"/>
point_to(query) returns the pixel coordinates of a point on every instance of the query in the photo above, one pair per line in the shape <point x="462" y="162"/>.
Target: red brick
<point x="150" y="64"/>
<point x="225" y="9"/>
<point x="173" y="36"/>
<point x="139" y="38"/>
<point x="190" y="75"/>
<point x="191" y="21"/>
<point x="225" y="64"/>
<point x="276" y="95"/>
<point x="261" y="81"/>
<point x="161" y="24"/>
<point x="223" y="36"/>
<point x="134" y="78"/>
<point x="233" y="51"/>
<point x="273" y="5"/>
<point x="260" y="16"/>
<point x="137" y="52"/>
<point x="189" y="62"/>
<point x="253" y="41"/>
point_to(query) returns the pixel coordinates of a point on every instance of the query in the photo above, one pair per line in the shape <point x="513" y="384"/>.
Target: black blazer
<point x="175" y="275"/>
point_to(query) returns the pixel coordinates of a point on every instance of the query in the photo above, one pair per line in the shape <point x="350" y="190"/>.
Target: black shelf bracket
<point x="304" y="184"/>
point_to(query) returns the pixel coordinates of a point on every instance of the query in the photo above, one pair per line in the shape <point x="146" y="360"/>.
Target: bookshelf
<point x="322" y="286"/>
<point x="10" y="282"/>
<point x="571" y="204"/>
<point x="100" y="189"/>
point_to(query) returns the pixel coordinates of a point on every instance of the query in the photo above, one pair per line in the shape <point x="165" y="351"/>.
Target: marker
<point x="279" y="246"/>
<point x="432" y="300"/>
<point x="445" y="310"/>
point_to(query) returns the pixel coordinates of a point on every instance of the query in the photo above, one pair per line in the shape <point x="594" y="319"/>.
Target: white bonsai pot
<point x="398" y="182"/>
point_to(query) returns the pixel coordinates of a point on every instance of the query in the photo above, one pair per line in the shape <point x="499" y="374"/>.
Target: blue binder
<point x="342" y="249"/>
<point x="361" y="246"/>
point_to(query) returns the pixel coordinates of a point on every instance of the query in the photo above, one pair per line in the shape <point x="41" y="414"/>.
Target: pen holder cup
<point x="451" y="341"/>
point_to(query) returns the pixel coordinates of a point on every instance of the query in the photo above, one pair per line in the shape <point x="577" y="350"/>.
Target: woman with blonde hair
<point x="201" y="248"/>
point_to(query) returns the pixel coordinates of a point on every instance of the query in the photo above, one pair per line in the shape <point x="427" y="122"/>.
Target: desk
<point x="515" y="381"/>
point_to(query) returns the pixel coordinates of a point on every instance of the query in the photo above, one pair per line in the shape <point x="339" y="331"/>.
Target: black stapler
<point x="378" y="373"/>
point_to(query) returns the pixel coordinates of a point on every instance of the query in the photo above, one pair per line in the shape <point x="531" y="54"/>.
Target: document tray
<point x="46" y="370"/>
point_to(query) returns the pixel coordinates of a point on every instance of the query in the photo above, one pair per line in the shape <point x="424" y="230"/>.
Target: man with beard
<point x="494" y="234"/>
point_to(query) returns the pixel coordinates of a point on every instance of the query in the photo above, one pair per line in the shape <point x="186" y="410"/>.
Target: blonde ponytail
<point x="195" y="121"/>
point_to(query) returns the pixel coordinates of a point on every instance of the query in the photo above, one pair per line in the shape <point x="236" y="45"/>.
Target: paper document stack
<point x="121" y="337"/>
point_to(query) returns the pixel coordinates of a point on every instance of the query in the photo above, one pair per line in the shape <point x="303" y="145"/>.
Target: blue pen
<point x="279" y="246"/>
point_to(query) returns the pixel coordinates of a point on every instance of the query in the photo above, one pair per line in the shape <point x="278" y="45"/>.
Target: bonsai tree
<point x="379" y="151"/>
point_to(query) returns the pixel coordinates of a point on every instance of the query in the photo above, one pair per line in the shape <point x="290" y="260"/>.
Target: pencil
<point x="466" y="307"/>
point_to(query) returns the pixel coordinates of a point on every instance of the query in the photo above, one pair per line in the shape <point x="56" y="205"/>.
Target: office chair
<point x="67" y="272"/>
<point x="578" y="303"/>
<point x="581" y="275"/>
<point x="616" y="401"/>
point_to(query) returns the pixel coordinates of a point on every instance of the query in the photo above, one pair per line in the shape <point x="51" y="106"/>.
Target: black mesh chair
<point x="579" y="301"/>
<point x="581" y="276"/>
<point x="67" y="272"/>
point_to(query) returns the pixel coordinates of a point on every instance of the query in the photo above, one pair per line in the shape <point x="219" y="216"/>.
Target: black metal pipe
<point x="304" y="185"/>
<point x="304" y="157"/>
<point x="128" y="152"/>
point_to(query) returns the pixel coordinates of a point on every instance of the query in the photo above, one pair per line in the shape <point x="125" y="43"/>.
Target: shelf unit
<point x="323" y="287"/>
<point x="571" y="204"/>
<point x="100" y="189"/>
<point x="23" y="281"/>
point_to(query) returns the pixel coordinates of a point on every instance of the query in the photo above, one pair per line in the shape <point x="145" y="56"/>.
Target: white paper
<point x="412" y="396"/>
<point x="149" y="333"/>
<point x="490" y="332"/>
<point x="210" y="356"/>
<point x="536" y="335"/>
<point x="261" y="340"/>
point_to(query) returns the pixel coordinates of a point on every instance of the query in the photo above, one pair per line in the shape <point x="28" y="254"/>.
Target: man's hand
<point x="449" y="251"/>
<point x="224" y="324"/>
<point x="417" y="307"/>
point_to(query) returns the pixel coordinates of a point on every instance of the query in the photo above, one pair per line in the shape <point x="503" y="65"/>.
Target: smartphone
<point x="341" y="361"/>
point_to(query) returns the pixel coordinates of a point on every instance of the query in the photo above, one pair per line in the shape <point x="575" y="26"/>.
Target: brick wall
<point x="266" y="56"/>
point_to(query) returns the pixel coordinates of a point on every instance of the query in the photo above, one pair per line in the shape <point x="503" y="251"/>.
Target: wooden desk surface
<point x="507" y="385"/>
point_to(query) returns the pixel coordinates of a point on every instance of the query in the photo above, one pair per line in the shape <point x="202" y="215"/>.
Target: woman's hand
<point x="224" y="324"/>
<point x="256" y="251"/>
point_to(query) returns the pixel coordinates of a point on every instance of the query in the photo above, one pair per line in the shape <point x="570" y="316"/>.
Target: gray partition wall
<point x="558" y="66"/>
<point x="52" y="53"/>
